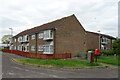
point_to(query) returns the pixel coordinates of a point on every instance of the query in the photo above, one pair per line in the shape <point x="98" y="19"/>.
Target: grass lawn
<point x="113" y="60"/>
<point x="58" y="63"/>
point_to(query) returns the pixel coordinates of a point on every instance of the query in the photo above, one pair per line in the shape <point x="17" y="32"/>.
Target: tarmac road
<point x="14" y="70"/>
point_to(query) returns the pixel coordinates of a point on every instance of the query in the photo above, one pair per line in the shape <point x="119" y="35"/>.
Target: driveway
<point x="11" y="69"/>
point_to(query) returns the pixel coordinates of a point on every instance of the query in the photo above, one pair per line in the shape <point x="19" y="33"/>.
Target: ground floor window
<point x="27" y="48"/>
<point x="32" y="48"/>
<point x="41" y="48"/>
<point x="48" y="49"/>
<point x="20" y="47"/>
<point x="15" y="48"/>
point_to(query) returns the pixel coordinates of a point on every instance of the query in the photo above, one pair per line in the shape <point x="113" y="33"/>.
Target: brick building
<point x="98" y="41"/>
<point x="65" y="35"/>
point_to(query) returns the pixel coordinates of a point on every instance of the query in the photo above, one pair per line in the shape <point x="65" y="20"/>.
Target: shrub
<point x="91" y="50"/>
<point x="107" y="52"/>
<point x="78" y="55"/>
<point x="116" y="47"/>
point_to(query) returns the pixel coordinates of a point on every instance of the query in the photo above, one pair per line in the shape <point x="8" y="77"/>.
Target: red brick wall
<point x="70" y="37"/>
<point x="92" y="41"/>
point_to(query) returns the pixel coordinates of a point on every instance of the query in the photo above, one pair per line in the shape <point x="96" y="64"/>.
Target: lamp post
<point x="11" y="34"/>
<point x="11" y="31"/>
<point x="99" y="39"/>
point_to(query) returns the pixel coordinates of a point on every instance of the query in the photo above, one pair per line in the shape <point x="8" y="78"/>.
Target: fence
<point x="38" y="55"/>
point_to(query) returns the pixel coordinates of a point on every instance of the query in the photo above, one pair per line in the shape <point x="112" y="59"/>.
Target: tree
<point x="6" y="39"/>
<point x="116" y="47"/>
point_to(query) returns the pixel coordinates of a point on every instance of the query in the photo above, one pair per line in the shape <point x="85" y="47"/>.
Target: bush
<point x="78" y="55"/>
<point x="116" y="47"/>
<point x="107" y="52"/>
<point x="91" y="49"/>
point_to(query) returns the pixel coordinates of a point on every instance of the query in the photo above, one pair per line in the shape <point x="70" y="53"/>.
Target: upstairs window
<point x="20" y="39"/>
<point x="26" y="38"/>
<point x="33" y="36"/>
<point x="104" y="39"/>
<point x="15" y="40"/>
<point x="48" y="34"/>
<point x="40" y="35"/>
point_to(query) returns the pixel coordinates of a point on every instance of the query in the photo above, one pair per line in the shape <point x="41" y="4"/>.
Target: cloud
<point x="94" y="15"/>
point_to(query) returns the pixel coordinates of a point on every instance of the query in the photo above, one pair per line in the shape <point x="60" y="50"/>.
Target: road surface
<point x="11" y="69"/>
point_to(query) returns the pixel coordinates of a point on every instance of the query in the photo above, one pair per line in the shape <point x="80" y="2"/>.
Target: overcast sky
<point x="94" y="15"/>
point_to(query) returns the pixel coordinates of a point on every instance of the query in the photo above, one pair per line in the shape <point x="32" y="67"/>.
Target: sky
<point x="94" y="15"/>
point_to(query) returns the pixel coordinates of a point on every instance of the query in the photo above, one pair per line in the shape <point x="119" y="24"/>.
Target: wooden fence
<point x="38" y="55"/>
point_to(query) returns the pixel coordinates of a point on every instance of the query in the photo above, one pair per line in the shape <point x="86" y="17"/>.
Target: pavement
<point x="11" y="69"/>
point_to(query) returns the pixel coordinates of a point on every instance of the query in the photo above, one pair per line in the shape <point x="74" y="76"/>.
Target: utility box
<point x="90" y="56"/>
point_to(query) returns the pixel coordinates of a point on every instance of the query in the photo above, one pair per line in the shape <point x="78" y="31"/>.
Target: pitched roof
<point x="49" y="25"/>
<point x="108" y="36"/>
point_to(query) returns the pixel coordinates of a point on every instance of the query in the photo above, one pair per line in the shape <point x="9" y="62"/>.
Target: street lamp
<point x="99" y="39"/>
<point x="11" y="33"/>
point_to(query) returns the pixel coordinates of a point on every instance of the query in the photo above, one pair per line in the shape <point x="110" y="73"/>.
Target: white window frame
<point x="104" y="40"/>
<point x="32" y="48"/>
<point x="47" y="49"/>
<point x="41" y="35"/>
<point x="48" y="35"/>
<point x="20" y="39"/>
<point x="40" y="48"/>
<point x="33" y="36"/>
<point x="15" y="40"/>
<point x="14" y="47"/>
<point x="25" y="38"/>
<point x="27" y="47"/>
<point x="20" y="47"/>
<point x="11" y="47"/>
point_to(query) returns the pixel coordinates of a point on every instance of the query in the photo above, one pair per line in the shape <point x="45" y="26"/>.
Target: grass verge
<point x="113" y="60"/>
<point x="58" y="63"/>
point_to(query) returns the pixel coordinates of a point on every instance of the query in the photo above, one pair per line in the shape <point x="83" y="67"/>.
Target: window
<point x="40" y="35"/>
<point x="23" y="48"/>
<point x="48" y="34"/>
<point x="40" y="48"/>
<point x="20" y="47"/>
<point x="11" y="40"/>
<point x="32" y="48"/>
<point x="11" y="47"/>
<point x="48" y="49"/>
<point x="14" y="47"/>
<point x="27" y="48"/>
<point x="102" y="47"/>
<point x="33" y="36"/>
<point x="25" y="38"/>
<point x="108" y="40"/>
<point x="20" y="39"/>
<point x="15" y="39"/>
<point x="104" y="40"/>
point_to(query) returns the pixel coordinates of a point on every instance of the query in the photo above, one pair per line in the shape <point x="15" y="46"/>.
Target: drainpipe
<point x="99" y="40"/>
<point x="36" y="46"/>
<point x="54" y="40"/>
